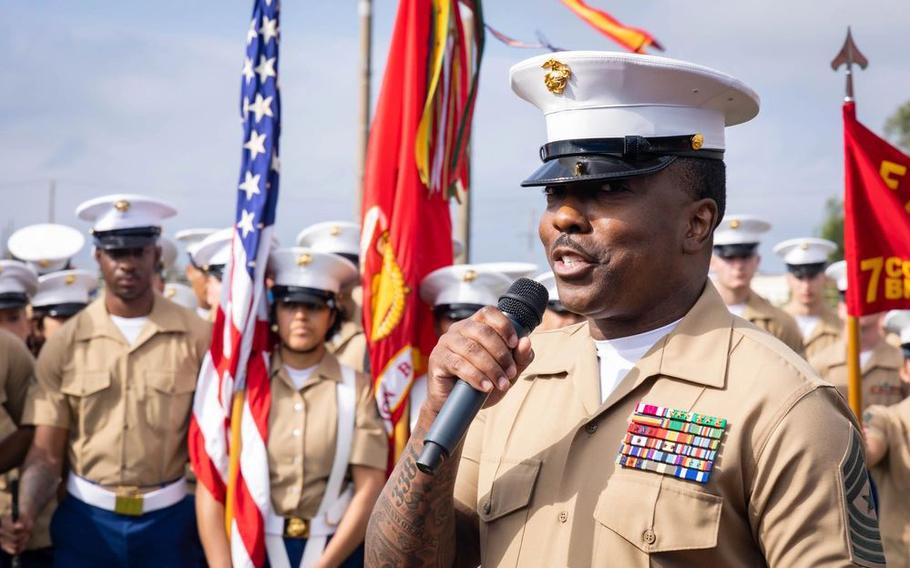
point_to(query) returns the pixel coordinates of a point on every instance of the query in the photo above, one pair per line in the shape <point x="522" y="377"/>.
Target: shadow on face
<point x="14" y="320"/>
<point x="735" y="273"/>
<point x="303" y="327"/>
<point x="617" y="249"/>
<point x="809" y="290"/>
<point x="197" y="279"/>
<point x="128" y="273"/>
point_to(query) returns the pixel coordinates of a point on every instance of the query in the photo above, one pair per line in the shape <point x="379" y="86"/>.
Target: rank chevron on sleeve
<point x="672" y="442"/>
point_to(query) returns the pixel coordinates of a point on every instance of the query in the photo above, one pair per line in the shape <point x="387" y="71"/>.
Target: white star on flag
<point x="247" y="69"/>
<point x="256" y="144"/>
<point x="266" y="68"/>
<point x="269" y="29"/>
<point x="250" y="185"/>
<point x="251" y="34"/>
<point x="246" y="222"/>
<point x="276" y="162"/>
<point x="261" y="107"/>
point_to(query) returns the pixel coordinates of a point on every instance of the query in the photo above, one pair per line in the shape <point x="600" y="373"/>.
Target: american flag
<point x="236" y="366"/>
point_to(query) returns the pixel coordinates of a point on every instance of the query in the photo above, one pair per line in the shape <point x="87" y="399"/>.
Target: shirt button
<point x="296" y="432"/>
<point x="298" y="407"/>
<point x="648" y="537"/>
<point x="486" y="507"/>
<point x="563" y="516"/>
<point x="591" y="427"/>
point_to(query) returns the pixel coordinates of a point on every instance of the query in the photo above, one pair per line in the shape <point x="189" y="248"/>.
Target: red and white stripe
<point x="239" y="342"/>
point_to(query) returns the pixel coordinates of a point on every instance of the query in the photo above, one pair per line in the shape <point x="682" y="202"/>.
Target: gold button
<point x="648" y="537"/>
<point x="591" y="427"/>
<point x="563" y="516"/>
<point x="486" y="507"/>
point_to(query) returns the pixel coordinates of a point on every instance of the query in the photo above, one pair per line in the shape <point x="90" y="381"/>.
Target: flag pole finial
<point x="848" y="55"/>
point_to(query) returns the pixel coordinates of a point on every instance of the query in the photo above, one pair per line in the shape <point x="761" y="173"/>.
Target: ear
<point x="701" y="218"/>
<point x="157" y="255"/>
<point x="96" y="252"/>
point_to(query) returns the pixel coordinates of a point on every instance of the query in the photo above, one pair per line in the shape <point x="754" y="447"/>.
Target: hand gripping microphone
<point x="524" y="304"/>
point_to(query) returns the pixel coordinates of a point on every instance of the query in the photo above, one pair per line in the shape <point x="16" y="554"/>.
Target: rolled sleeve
<point x="370" y="446"/>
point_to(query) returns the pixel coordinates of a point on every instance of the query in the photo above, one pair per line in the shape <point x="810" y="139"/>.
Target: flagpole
<point x="365" y="8"/>
<point x="848" y="55"/>
<point x="463" y="228"/>
<point x="233" y="460"/>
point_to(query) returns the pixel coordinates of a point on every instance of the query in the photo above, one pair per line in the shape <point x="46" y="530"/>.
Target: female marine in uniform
<point x="327" y="447"/>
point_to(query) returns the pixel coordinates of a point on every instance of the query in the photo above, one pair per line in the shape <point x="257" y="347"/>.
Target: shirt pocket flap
<point x="171" y="382"/>
<point x="683" y="519"/>
<point x="510" y="491"/>
<point x="85" y="383"/>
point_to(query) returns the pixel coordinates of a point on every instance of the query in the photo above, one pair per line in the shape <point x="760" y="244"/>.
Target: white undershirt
<point x="618" y="356"/>
<point x="864" y="357"/>
<point x="807" y="324"/>
<point x="300" y="376"/>
<point x="130" y="327"/>
<point x="737" y="309"/>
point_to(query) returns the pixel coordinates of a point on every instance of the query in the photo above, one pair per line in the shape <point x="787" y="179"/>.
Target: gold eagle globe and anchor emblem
<point x="557" y="78"/>
<point x="389" y="292"/>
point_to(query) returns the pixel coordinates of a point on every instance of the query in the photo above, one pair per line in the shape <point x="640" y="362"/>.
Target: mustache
<point x="564" y="240"/>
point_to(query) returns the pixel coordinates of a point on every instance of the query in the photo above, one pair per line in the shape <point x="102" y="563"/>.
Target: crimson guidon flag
<point x="876" y="220"/>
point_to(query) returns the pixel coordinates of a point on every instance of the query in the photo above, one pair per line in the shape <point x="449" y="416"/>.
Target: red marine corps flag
<point x="876" y="221"/>
<point x="416" y="156"/>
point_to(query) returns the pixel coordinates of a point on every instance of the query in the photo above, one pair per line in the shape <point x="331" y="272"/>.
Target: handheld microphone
<point x="524" y="304"/>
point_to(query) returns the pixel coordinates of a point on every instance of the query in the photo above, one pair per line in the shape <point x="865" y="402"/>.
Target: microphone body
<point x="523" y="305"/>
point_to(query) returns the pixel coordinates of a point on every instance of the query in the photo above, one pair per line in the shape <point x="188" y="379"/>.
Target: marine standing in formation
<point x="115" y="387"/>
<point x="328" y="452"/>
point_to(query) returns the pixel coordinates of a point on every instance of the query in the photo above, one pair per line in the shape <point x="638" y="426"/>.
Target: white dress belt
<point x="128" y="503"/>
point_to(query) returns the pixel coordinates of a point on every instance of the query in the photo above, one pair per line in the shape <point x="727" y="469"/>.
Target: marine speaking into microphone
<point x="523" y="304"/>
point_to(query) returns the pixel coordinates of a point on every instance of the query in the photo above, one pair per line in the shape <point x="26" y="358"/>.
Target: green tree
<point x="832" y="227"/>
<point x="897" y="127"/>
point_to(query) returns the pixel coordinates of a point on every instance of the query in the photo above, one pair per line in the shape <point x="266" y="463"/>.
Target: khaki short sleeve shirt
<point x="350" y="346"/>
<point x="126" y="408"/>
<point x="826" y="332"/>
<point x="303" y="427"/>
<point x="892" y="476"/>
<point x="881" y="380"/>
<point x="762" y="314"/>
<point x="17" y="369"/>
<point x="539" y="472"/>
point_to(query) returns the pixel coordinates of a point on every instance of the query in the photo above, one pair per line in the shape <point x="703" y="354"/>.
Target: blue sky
<point x="143" y="97"/>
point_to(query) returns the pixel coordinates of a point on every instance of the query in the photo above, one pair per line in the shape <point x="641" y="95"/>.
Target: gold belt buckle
<point x="129" y="501"/>
<point x="295" y="527"/>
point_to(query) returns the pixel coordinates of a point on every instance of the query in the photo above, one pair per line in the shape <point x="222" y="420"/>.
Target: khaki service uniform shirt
<point x="880" y="375"/>
<point x="538" y="472"/>
<point x="17" y="372"/>
<point x="303" y="428"/>
<point x="762" y="314"/>
<point x="827" y="331"/>
<point x="892" y="476"/>
<point x="127" y="408"/>
<point x="350" y="346"/>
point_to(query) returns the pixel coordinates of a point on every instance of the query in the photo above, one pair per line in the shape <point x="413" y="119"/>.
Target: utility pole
<point x="365" y="9"/>
<point x="52" y="200"/>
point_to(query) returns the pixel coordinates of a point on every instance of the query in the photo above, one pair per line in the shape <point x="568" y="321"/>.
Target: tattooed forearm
<point x="37" y="487"/>
<point x="413" y="522"/>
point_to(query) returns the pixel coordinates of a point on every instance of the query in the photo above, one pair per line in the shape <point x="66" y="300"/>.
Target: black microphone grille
<point x="526" y="301"/>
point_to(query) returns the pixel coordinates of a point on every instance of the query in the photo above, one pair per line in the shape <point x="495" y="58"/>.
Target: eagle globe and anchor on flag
<point x="388" y="298"/>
